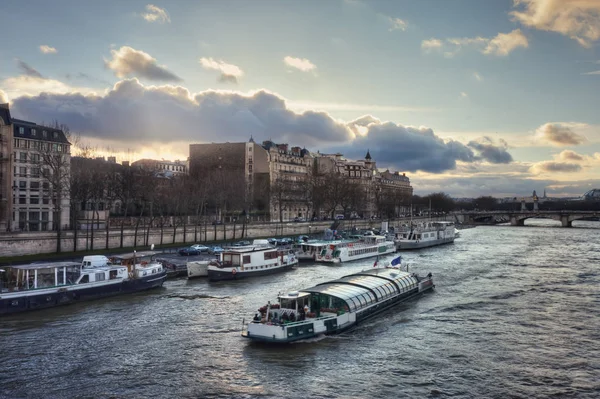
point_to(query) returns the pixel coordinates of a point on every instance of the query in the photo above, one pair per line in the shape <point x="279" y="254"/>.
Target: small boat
<point x="257" y="259"/>
<point x="362" y="247"/>
<point x="334" y="306"/>
<point x="45" y="285"/>
<point x="198" y="268"/>
<point x="424" y="235"/>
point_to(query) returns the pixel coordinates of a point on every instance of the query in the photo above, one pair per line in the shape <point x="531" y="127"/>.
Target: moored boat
<point x="424" y="235"/>
<point x="198" y="268"/>
<point x="44" y="285"/>
<point x="334" y="306"/>
<point x="257" y="259"/>
<point x="364" y="247"/>
<point x="309" y="250"/>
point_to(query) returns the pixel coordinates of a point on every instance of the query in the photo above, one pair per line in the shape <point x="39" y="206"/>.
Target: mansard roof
<point x="53" y="135"/>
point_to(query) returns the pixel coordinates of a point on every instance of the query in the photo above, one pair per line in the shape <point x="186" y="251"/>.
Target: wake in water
<point x="195" y="296"/>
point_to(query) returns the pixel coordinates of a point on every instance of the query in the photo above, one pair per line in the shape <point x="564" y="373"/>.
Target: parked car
<point x="215" y="250"/>
<point x="299" y="219"/>
<point x="189" y="251"/>
<point x="200" y="247"/>
<point x="216" y="222"/>
<point x="272" y="241"/>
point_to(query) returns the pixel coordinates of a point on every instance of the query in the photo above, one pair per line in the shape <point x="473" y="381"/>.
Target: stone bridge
<point x="517" y="218"/>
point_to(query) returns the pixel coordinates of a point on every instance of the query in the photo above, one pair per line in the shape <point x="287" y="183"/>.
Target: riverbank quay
<point x="17" y="244"/>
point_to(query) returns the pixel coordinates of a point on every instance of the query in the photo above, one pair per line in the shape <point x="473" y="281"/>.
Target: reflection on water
<point x="513" y="315"/>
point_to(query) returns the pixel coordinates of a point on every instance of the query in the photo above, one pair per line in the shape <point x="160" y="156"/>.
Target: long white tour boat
<point x="44" y="285"/>
<point x="334" y="306"/>
<point x="365" y="247"/>
<point x="424" y="235"/>
<point x="257" y="259"/>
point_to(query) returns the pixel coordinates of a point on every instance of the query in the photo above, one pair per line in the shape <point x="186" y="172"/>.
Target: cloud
<point x="431" y="44"/>
<point x="561" y="134"/>
<point x="3" y="97"/>
<point x="48" y="50"/>
<point x="577" y="19"/>
<point x="500" y="45"/>
<point x="463" y="94"/>
<point x="28" y="70"/>
<point x="568" y="155"/>
<point x="156" y="14"/>
<point x="134" y="113"/>
<point x="491" y="152"/>
<point x="398" y="24"/>
<point x="504" y="43"/>
<point x="592" y="73"/>
<point x="131" y="62"/>
<point x="404" y="147"/>
<point x="555" y="167"/>
<point x="229" y="72"/>
<point x="477" y="76"/>
<point x="301" y="64"/>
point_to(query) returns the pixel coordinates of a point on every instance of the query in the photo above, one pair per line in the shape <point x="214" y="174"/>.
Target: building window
<point x="35" y="172"/>
<point x="33" y="133"/>
<point x="22" y="199"/>
<point x="34" y="185"/>
<point x="55" y="135"/>
<point x="23" y="171"/>
<point x="21" y="130"/>
<point x="23" y="157"/>
<point x="34" y="200"/>
<point x="44" y="133"/>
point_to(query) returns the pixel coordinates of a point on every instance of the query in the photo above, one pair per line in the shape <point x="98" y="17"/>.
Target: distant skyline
<point x="467" y="97"/>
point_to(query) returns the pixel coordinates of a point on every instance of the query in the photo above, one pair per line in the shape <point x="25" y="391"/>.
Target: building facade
<point x="35" y="181"/>
<point x="235" y="174"/>
<point x="290" y="169"/>
<point x="164" y="167"/>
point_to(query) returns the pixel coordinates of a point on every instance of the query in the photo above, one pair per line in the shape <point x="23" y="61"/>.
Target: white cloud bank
<point x="3" y="97"/>
<point x="576" y="19"/>
<point x="562" y="133"/>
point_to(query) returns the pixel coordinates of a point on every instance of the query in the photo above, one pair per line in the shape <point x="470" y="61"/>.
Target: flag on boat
<point x="397" y="261"/>
<point x="376" y="260"/>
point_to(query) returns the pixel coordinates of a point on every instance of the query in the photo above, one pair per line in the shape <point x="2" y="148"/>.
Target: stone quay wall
<point x="30" y="243"/>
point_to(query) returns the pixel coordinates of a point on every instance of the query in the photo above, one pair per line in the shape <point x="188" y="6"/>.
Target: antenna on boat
<point x="152" y="247"/>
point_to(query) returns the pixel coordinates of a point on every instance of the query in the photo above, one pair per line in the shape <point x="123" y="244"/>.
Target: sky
<point x="467" y="97"/>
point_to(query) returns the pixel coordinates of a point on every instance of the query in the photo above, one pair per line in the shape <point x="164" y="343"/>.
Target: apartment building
<point x="36" y="191"/>
<point x="290" y="169"/>
<point x="163" y="167"/>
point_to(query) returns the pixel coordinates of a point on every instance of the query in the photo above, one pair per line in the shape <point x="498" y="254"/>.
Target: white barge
<point x="425" y="235"/>
<point x="334" y="306"/>
<point x="365" y="247"/>
<point x="257" y="259"/>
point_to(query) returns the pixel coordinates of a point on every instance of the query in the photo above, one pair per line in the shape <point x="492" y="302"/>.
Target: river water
<point x="515" y="313"/>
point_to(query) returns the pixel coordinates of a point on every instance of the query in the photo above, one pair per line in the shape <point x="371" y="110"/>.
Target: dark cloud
<point x="556" y="167"/>
<point x="559" y="134"/>
<point x="28" y="70"/>
<point x="490" y="152"/>
<point x="128" y="61"/>
<point x="405" y="148"/>
<point x="133" y="112"/>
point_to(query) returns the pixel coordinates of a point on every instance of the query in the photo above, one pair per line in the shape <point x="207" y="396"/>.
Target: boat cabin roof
<point x="365" y="288"/>
<point x="140" y="254"/>
<point x="294" y="295"/>
<point x="46" y="265"/>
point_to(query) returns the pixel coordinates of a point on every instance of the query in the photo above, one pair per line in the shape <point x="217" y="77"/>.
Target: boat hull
<point x="412" y="244"/>
<point x="23" y="301"/>
<point x="197" y="269"/>
<point x="220" y="275"/>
